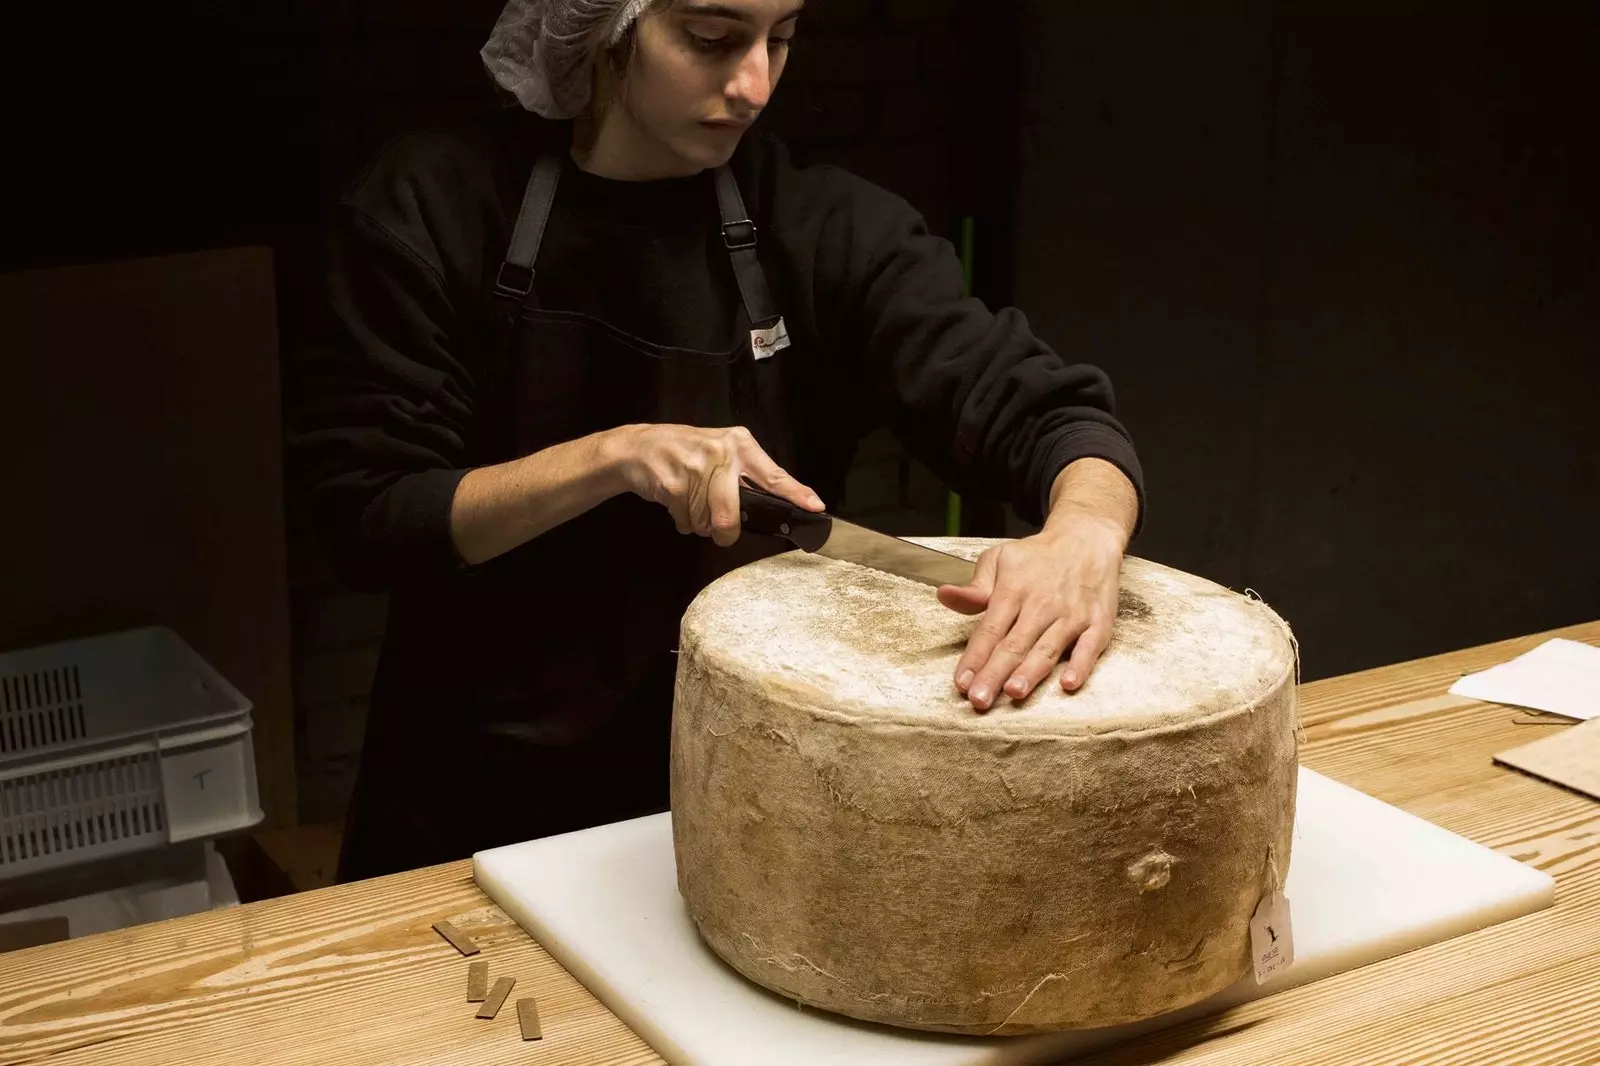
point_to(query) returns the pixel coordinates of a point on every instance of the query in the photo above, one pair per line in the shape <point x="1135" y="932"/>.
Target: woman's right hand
<point x="694" y="473"/>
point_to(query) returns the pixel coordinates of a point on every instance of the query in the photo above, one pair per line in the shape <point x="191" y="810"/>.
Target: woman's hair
<point x="618" y="57"/>
<point x="545" y="52"/>
<point x="610" y="67"/>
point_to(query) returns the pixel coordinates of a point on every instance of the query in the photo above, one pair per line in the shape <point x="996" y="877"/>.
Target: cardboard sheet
<point x="1570" y="758"/>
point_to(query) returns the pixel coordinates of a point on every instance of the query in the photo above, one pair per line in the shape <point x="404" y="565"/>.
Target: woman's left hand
<point x="1040" y="595"/>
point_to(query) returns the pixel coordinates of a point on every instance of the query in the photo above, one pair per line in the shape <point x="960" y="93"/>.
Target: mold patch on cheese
<point x="1151" y="871"/>
<point x="879" y="615"/>
<point x="1131" y="607"/>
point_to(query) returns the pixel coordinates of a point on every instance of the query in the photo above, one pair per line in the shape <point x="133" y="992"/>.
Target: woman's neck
<point x="613" y="146"/>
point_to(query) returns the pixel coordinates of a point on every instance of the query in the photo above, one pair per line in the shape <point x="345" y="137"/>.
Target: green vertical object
<point x="952" y="502"/>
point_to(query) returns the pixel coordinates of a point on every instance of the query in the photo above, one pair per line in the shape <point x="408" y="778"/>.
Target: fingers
<point x="1026" y="654"/>
<point x="1039" y="597"/>
<point x="971" y="598"/>
<point x="997" y="624"/>
<point x="769" y="475"/>
<point x="1007" y="653"/>
<point x="1041" y="658"/>
<point x="722" y="495"/>
<point x="695" y="473"/>
<point x="1085" y="654"/>
<point x="697" y="501"/>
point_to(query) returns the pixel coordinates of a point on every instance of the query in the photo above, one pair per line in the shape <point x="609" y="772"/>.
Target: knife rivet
<point x="784" y="528"/>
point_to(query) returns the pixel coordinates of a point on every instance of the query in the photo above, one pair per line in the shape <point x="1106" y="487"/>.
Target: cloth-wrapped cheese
<point x="850" y="833"/>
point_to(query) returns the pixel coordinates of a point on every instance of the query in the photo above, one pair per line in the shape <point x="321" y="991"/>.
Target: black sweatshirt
<point x="387" y="385"/>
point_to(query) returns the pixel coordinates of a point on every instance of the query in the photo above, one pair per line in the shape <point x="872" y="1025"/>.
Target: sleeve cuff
<point x="1090" y="441"/>
<point x="414" y="517"/>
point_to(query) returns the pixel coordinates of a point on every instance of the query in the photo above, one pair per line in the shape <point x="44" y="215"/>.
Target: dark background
<point x="1343" y="272"/>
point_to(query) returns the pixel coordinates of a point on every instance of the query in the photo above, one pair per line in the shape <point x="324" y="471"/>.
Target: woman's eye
<point x="729" y="43"/>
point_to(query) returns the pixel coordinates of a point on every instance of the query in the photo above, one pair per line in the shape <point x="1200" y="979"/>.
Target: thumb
<point x="973" y="597"/>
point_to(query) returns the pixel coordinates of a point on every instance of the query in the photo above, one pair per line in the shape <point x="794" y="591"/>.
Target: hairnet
<point x="540" y="50"/>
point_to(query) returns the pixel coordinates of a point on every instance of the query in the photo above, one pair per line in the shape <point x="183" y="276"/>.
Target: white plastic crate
<point x="148" y="886"/>
<point x="116" y="743"/>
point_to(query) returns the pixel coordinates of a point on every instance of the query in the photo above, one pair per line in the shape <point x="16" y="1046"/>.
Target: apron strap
<point x="739" y="235"/>
<point x="515" y="280"/>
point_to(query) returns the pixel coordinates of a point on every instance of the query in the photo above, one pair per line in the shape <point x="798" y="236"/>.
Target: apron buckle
<point x="514" y="281"/>
<point x="739" y="235"/>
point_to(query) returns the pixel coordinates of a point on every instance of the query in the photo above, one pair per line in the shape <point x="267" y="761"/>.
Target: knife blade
<point x="824" y="534"/>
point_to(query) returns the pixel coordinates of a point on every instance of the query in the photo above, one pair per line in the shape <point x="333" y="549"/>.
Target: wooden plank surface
<point x="356" y="975"/>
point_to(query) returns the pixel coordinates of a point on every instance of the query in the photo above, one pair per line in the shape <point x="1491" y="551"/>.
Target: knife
<point x="824" y="534"/>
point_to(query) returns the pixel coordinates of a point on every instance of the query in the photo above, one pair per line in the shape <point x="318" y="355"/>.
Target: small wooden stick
<point x="528" y="1018"/>
<point x="459" y="940"/>
<point x="497" y="997"/>
<point x="477" y="981"/>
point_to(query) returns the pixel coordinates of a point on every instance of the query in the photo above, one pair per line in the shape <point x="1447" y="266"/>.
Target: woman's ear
<point x="610" y="71"/>
<point x="602" y="86"/>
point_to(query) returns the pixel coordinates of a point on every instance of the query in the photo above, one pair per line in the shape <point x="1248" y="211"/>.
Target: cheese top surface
<point x="843" y="639"/>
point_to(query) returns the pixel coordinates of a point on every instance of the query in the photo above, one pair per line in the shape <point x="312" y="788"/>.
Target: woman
<point x="554" y="343"/>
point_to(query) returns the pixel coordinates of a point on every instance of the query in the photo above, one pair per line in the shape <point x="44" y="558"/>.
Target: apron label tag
<point x="765" y="342"/>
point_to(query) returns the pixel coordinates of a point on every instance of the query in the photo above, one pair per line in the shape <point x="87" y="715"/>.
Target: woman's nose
<point x="752" y="81"/>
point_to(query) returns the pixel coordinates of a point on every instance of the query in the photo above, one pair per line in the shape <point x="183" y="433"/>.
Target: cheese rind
<point x="851" y="834"/>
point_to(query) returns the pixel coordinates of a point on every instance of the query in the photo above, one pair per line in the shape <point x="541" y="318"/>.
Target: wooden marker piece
<point x="497" y="997"/>
<point x="459" y="940"/>
<point x="477" y="981"/>
<point x="528" y="1018"/>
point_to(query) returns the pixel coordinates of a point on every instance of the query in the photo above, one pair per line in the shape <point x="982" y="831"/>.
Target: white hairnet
<point x="540" y="50"/>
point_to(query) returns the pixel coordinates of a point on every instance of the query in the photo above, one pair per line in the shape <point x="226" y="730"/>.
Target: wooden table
<point x="354" y="974"/>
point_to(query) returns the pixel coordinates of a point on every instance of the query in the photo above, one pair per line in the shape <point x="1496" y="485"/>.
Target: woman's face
<point x="702" y="71"/>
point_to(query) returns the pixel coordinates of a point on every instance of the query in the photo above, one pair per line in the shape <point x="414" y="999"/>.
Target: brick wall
<point x="870" y="87"/>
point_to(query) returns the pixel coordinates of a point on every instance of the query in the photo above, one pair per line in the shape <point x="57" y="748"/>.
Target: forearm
<point x="1093" y="489"/>
<point x="498" y="508"/>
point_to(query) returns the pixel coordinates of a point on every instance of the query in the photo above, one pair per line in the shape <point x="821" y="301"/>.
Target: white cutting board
<point x="1366" y="881"/>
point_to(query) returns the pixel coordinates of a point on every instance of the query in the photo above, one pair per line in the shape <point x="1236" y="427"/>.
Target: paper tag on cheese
<point x="1271" y="936"/>
<point x="765" y="342"/>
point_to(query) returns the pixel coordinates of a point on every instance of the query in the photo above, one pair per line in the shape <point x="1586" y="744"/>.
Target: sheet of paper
<point x="1559" y="676"/>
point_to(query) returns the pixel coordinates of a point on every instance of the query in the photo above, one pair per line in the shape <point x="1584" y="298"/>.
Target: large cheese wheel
<point x="850" y="833"/>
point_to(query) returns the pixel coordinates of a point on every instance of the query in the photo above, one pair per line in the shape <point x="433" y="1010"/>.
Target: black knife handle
<point x="762" y="512"/>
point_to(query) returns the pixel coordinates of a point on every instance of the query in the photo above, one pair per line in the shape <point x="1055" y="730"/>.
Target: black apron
<point x="533" y="695"/>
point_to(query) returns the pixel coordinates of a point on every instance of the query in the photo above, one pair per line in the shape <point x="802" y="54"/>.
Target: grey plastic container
<point x="116" y="743"/>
